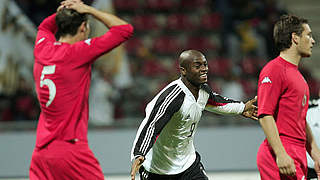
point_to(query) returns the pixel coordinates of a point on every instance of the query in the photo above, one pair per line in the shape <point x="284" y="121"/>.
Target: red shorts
<point x="267" y="165"/>
<point x="62" y="160"/>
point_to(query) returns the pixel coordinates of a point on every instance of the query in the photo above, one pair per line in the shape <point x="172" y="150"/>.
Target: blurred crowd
<point x="235" y="36"/>
<point x="17" y="98"/>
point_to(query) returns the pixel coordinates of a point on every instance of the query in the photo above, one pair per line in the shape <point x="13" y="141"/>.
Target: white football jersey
<point x="165" y="136"/>
<point x="313" y="120"/>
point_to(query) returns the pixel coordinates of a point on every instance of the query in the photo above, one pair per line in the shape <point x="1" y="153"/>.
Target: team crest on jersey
<point x="266" y="80"/>
<point x="304" y="100"/>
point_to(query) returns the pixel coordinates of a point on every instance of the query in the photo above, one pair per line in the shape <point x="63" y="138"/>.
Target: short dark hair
<point x="68" y="22"/>
<point x="283" y="29"/>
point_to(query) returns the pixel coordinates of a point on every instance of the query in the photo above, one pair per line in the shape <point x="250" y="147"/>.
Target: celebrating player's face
<point x="197" y="72"/>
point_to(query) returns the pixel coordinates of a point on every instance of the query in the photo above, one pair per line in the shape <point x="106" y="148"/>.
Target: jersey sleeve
<point x="158" y="115"/>
<point x="89" y="50"/>
<point x="222" y="105"/>
<point x="47" y="30"/>
<point x="269" y="89"/>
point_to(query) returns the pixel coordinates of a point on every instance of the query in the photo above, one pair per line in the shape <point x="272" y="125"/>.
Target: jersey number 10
<point x="48" y="82"/>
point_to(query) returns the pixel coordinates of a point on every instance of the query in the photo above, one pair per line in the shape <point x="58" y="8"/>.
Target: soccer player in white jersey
<point x="163" y="147"/>
<point x="313" y="120"/>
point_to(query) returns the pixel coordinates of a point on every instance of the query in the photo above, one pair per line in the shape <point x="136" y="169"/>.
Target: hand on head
<point x="76" y="5"/>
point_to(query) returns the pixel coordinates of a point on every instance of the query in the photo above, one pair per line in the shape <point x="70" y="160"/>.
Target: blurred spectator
<point x="101" y="99"/>
<point x="16" y="93"/>
<point x="25" y="104"/>
<point x="236" y="35"/>
<point x="232" y="88"/>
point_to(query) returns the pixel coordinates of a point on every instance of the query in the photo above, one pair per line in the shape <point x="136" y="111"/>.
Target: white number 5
<point x="48" y="82"/>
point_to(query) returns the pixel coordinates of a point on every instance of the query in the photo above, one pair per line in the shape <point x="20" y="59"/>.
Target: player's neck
<point x="291" y="55"/>
<point x="194" y="90"/>
<point x="69" y="39"/>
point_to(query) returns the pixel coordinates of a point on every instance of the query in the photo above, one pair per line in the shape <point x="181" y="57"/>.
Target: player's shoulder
<point x="170" y="93"/>
<point x="274" y="63"/>
<point x="172" y="86"/>
<point x="83" y="43"/>
<point x="272" y="67"/>
<point x="173" y="89"/>
<point x="81" y="48"/>
<point x="54" y="52"/>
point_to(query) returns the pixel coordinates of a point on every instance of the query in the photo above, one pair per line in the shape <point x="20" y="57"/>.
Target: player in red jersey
<point x="62" y="72"/>
<point x="283" y="96"/>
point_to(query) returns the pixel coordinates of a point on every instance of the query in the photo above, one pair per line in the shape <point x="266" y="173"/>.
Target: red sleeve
<point x="47" y="29"/>
<point x="89" y="50"/>
<point x="270" y="87"/>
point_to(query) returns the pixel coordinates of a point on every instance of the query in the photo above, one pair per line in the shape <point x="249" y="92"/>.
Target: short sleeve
<point x="270" y="85"/>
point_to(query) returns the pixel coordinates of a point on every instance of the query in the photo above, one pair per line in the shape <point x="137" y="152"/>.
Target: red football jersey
<point x="62" y="75"/>
<point x="284" y="94"/>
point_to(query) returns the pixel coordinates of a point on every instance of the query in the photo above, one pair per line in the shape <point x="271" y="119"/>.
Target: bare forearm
<point x="271" y="131"/>
<point x="311" y="145"/>
<point x="107" y="19"/>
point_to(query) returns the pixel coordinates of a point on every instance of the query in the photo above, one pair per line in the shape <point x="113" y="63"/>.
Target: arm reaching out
<point x="222" y="105"/>
<point x="250" y="110"/>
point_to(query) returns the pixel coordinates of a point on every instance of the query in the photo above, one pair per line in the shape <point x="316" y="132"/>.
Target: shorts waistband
<point x="144" y="172"/>
<point x="290" y="140"/>
<point x="62" y="144"/>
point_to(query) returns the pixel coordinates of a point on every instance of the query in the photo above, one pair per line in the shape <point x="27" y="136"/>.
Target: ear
<point x="295" y="38"/>
<point x="83" y="27"/>
<point x="182" y="71"/>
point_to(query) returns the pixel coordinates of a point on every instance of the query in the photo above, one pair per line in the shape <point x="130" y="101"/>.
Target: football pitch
<point x="212" y="175"/>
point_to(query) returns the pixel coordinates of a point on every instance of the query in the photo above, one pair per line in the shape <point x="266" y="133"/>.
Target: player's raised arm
<point x="107" y="19"/>
<point x="47" y="29"/>
<point x="91" y="48"/>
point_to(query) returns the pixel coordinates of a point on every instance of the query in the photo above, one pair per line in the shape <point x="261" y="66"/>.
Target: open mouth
<point x="203" y="76"/>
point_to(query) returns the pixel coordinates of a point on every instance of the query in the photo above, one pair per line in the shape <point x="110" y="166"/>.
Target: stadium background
<point x="235" y="36"/>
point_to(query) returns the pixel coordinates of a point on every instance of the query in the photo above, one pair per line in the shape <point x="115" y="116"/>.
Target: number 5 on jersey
<point x="48" y="82"/>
